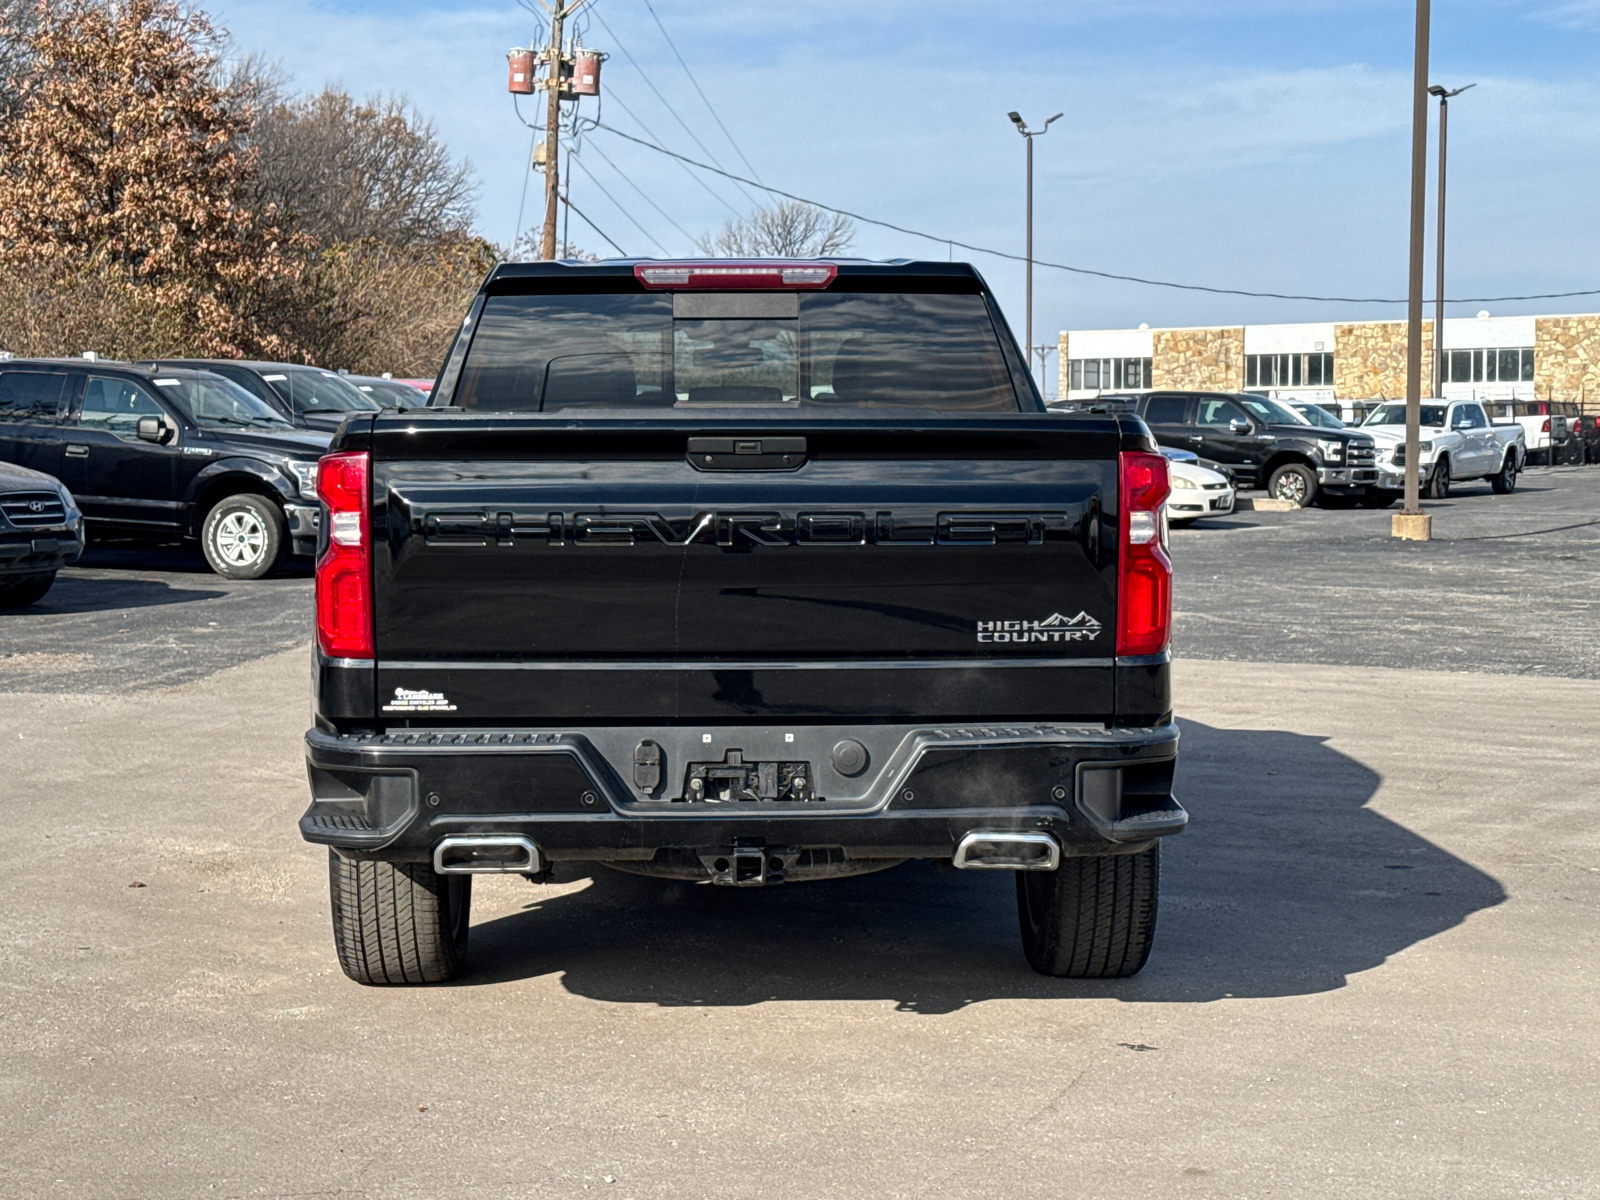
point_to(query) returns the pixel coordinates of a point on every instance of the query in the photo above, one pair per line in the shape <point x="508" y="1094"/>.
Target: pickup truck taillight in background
<point x="344" y="569"/>
<point x="1144" y="592"/>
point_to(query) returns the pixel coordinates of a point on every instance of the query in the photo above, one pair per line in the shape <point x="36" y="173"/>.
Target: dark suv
<point x="306" y="397"/>
<point x="167" y="454"/>
<point x="1263" y="443"/>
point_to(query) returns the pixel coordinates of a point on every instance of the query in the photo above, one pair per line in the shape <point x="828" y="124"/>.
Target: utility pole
<point x="1438" y="254"/>
<point x="1411" y="522"/>
<point x="568" y="77"/>
<point x="1028" y="136"/>
<point x="552" y="127"/>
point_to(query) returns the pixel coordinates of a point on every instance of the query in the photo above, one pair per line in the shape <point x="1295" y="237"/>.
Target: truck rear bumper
<point x="583" y="796"/>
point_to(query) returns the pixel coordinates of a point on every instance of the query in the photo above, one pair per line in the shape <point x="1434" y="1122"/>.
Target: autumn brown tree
<point x="122" y="174"/>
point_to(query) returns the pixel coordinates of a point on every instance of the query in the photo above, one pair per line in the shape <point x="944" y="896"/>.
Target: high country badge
<point x="1054" y="628"/>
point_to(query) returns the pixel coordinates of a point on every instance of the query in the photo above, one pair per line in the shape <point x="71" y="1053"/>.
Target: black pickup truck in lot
<point x="1263" y="443"/>
<point x="741" y="573"/>
<point x="167" y="454"/>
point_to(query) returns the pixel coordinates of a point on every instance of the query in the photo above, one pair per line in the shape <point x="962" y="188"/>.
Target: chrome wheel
<point x="240" y="538"/>
<point x="1293" y="485"/>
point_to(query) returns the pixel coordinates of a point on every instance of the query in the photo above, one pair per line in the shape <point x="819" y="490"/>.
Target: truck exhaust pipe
<point x="982" y="850"/>
<point x="488" y="854"/>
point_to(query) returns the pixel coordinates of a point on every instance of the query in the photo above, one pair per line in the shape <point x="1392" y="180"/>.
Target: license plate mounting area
<point x="734" y="781"/>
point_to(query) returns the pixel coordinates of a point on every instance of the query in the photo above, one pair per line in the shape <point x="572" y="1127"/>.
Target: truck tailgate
<point x="533" y="571"/>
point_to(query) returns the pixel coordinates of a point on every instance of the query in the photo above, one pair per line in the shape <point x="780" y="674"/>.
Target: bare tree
<point x="254" y="84"/>
<point x="790" y="229"/>
<point x="529" y="247"/>
<point x="348" y="171"/>
<point x="20" y="20"/>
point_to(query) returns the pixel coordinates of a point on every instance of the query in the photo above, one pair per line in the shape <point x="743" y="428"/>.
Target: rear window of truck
<point x="689" y="352"/>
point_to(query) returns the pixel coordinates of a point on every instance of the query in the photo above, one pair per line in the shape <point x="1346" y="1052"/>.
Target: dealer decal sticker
<point x="418" y="700"/>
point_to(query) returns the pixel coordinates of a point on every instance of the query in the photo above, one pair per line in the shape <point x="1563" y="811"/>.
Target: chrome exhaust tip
<point x="982" y="850"/>
<point x="486" y="855"/>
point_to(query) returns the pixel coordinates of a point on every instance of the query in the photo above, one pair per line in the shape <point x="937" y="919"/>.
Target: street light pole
<point x="1028" y="136"/>
<point x="1412" y="523"/>
<point x="1438" y="255"/>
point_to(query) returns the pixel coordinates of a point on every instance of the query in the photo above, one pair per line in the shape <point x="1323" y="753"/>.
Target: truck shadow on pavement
<point x="1285" y="884"/>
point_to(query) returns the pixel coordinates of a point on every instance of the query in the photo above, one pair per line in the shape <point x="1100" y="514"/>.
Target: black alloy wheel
<point x="1439" y="483"/>
<point x="1504" y="481"/>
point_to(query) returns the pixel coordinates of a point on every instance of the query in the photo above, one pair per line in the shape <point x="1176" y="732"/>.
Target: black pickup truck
<point x="742" y="573"/>
<point x="1262" y="443"/>
<point x="167" y="453"/>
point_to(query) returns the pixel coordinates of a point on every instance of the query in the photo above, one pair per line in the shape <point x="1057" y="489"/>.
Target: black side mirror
<point x="154" y="429"/>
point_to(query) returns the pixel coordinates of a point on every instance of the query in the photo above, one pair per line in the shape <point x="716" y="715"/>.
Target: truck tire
<point x="398" y="922"/>
<point x="1504" y="481"/>
<point x="19" y="593"/>
<point x="1293" y="482"/>
<point x="1439" y="481"/>
<point x="1091" y="918"/>
<point x="243" y="536"/>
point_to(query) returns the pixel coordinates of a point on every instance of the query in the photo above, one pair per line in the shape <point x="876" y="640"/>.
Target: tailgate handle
<point x="747" y="453"/>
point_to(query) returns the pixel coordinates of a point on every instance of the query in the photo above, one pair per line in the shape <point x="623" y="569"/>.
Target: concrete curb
<point x="1264" y="504"/>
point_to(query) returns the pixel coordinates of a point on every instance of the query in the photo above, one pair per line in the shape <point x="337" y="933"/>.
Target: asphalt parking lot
<point x="1373" y="976"/>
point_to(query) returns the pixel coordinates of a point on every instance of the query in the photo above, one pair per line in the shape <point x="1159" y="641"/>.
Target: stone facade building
<point x="1485" y="358"/>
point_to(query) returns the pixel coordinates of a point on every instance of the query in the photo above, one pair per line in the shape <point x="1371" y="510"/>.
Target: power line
<point x="642" y="193"/>
<point x="593" y="226"/>
<point x="1040" y="262"/>
<point x="527" y="173"/>
<point x="697" y="87"/>
<point x="682" y="161"/>
<point x="652" y="237"/>
<point x="667" y="104"/>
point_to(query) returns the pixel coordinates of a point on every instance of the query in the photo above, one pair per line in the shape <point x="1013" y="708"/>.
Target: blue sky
<point x="1257" y="144"/>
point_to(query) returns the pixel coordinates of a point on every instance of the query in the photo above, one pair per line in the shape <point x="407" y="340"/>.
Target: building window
<point x="1288" y="370"/>
<point x="1489" y="366"/>
<point x="1093" y="374"/>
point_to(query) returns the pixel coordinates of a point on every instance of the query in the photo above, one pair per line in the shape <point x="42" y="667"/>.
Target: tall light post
<point x="1028" y="135"/>
<point x="1438" y="293"/>
<point x="1411" y="522"/>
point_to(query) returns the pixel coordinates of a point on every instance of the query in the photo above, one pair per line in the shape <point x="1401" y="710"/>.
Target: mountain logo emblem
<point x="1054" y="628"/>
<point x="1056" y="621"/>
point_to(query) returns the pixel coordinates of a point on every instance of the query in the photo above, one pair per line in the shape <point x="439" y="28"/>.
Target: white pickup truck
<point x="1457" y="442"/>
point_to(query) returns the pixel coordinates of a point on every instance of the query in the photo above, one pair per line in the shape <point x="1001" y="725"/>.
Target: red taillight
<point x="1144" y="585"/>
<point x="1545" y="428"/>
<point x="344" y="572"/>
<point x="778" y="274"/>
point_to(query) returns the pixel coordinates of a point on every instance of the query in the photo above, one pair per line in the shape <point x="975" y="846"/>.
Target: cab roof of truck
<point x="624" y="267"/>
